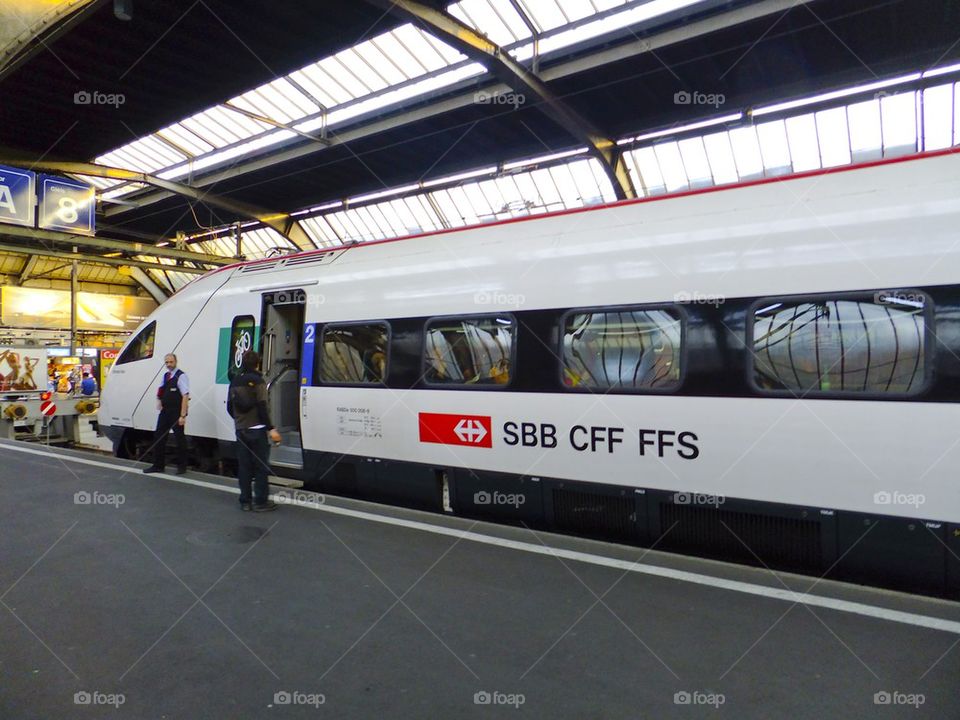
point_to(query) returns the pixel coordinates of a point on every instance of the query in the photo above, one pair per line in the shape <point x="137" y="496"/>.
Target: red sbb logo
<point x="469" y="430"/>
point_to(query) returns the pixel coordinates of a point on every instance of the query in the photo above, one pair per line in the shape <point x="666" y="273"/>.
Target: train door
<point x="283" y="313"/>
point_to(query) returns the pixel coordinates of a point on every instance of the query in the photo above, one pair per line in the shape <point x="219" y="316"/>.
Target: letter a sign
<point x="17" y="193"/>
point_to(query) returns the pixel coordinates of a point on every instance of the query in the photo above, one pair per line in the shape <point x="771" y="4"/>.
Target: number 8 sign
<point x="66" y="205"/>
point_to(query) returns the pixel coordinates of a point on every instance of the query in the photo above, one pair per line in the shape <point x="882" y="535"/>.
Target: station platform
<point x="125" y="595"/>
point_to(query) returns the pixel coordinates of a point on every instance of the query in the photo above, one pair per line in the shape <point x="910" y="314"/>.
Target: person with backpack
<point x="247" y="405"/>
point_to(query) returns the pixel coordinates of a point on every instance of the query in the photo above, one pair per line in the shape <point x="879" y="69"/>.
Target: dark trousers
<point x="253" y="464"/>
<point x="169" y="419"/>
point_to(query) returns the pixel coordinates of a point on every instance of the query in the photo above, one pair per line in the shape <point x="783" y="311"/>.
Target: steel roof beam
<point x="49" y="236"/>
<point x="283" y="223"/>
<point x="96" y="259"/>
<point x="501" y="65"/>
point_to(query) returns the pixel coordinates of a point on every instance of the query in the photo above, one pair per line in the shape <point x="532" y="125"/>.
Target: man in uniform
<point x="173" y="400"/>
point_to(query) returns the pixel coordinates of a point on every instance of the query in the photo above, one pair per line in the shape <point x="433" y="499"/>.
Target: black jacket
<point x="258" y="415"/>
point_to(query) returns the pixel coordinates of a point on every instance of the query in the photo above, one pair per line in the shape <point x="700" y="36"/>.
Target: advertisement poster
<point x="23" y="369"/>
<point x="107" y="359"/>
<point x="50" y="309"/>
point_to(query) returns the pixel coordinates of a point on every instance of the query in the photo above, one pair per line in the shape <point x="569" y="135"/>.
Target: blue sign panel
<point x="66" y="205"/>
<point x="17" y="193"/>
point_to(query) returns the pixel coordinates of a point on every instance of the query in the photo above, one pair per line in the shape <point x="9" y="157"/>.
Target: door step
<point x="284" y="482"/>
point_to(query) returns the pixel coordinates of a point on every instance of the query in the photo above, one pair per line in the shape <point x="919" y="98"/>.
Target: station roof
<point x="290" y="108"/>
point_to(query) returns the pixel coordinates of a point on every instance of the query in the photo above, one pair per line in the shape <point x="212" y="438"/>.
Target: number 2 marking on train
<point x="308" y="333"/>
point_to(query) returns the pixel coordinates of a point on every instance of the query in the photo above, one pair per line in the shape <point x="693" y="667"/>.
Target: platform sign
<point x="17" y="196"/>
<point x="66" y="205"/>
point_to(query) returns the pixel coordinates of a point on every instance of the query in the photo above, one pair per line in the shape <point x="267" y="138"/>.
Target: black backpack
<point x="243" y="397"/>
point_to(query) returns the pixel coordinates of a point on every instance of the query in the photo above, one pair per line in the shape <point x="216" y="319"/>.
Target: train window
<point x="636" y="349"/>
<point x="141" y="347"/>
<point x="847" y="345"/>
<point x="241" y="340"/>
<point x="475" y="351"/>
<point x="354" y="353"/>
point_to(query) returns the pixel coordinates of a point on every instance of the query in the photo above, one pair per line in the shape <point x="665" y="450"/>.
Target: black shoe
<point x="153" y="469"/>
<point x="181" y="471"/>
<point x="246" y="507"/>
<point x="265" y="506"/>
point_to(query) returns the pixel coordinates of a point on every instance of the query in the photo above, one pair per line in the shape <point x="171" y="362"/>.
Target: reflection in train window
<point x="629" y="349"/>
<point x="849" y="346"/>
<point x="141" y="347"/>
<point x="469" y="351"/>
<point x="355" y="353"/>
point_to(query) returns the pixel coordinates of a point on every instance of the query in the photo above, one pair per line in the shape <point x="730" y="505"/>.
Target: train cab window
<point x="354" y="353"/>
<point x="141" y="347"/>
<point x="854" y="345"/>
<point x="630" y="349"/>
<point x="475" y="351"/>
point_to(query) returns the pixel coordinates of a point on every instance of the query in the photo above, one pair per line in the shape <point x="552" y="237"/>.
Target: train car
<point x="765" y="372"/>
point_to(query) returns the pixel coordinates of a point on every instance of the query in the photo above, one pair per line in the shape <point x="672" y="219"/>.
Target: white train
<point x="766" y="372"/>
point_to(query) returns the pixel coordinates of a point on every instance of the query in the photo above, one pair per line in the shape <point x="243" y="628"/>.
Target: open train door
<point x="282" y="318"/>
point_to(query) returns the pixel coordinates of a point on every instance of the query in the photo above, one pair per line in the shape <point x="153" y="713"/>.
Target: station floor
<point x="124" y="595"/>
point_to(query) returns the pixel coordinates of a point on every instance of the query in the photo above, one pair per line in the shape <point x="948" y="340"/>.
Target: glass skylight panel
<point x="938" y="117"/>
<point x="804" y="148"/>
<point x="181" y="137"/>
<point x="671" y="166"/>
<point x="497" y="20"/>
<point x="361" y="230"/>
<point x="373" y="220"/>
<point x="492" y="194"/>
<point x="866" y="135"/>
<point x="569" y="192"/>
<point x="359" y="67"/>
<point x="774" y="147"/>
<point x="320" y="231"/>
<point x="899" y="117"/>
<point x="746" y="152"/>
<point x="648" y="179"/>
<point x="549" y="193"/>
<point x="448" y="210"/>
<point x="385" y="66"/>
<point x="545" y="14"/>
<point x="511" y="194"/>
<point x="956" y="114"/>
<point x="279" y="100"/>
<point x="425" y="215"/>
<point x="720" y="155"/>
<point x="399" y="54"/>
<point x="603" y="182"/>
<point x="465" y="208"/>
<point x="695" y="162"/>
<point x="833" y="136"/>
<point x="635" y="14"/>
<point x="417" y="45"/>
<point x="586" y="183"/>
<point x="478" y="201"/>
<point x="321" y="85"/>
